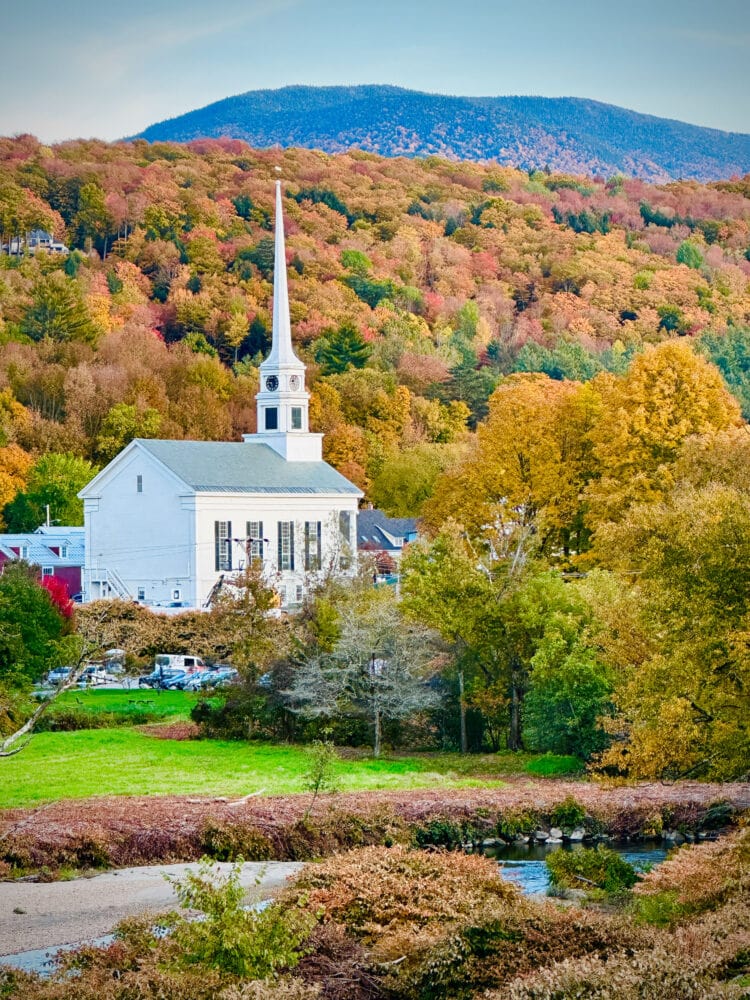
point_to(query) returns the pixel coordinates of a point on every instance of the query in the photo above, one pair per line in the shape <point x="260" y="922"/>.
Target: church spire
<point x="282" y="401"/>
<point x="282" y="351"/>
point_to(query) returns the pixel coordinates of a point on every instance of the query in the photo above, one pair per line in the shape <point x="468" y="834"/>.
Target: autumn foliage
<point x="439" y="278"/>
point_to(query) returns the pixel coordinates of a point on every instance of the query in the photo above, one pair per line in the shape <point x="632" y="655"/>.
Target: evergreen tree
<point x="341" y="349"/>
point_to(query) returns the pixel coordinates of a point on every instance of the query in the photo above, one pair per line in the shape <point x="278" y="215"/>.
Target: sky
<point x="96" y="68"/>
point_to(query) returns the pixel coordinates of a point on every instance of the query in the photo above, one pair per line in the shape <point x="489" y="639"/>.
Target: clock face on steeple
<point x="294" y="382"/>
<point x="272" y="383"/>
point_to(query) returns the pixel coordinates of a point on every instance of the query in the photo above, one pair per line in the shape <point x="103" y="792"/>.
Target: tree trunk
<point x="8" y="746"/>
<point x="462" y="709"/>
<point x="378" y="733"/>
<point x="514" y="737"/>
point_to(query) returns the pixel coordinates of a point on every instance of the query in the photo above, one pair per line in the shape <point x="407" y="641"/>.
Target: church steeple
<point x="282" y="352"/>
<point x="282" y="402"/>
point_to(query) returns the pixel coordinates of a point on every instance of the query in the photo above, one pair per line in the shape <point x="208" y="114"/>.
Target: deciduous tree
<point x="668" y="394"/>
<point x="377" y="668"/>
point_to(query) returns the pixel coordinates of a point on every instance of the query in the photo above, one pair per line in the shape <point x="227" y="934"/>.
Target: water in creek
<point x="524" y="863"/>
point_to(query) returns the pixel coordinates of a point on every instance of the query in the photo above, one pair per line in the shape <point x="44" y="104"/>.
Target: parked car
<point x="179" y="661"/>
<point x="158" y="678"/>
<point x="217" y="677"/>
<point x="175" y="681"/>
<point x="58" y="676"/>
<point x="197" y="681"/>
<point x="223" y="678"/>
<point x="95" y="673"/>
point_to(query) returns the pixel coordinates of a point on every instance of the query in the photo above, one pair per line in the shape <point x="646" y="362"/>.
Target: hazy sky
<point x="75" y="68"/>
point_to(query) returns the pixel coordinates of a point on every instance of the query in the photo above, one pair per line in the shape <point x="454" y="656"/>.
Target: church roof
<point x="242" y="467"/>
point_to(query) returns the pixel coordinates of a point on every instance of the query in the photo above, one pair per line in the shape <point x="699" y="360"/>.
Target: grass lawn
<point x="121" y="760"/>
<point x="139" y="703"/>
<point x="124" y="761"/>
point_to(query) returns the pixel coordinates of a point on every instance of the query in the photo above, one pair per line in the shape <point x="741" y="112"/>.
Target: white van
<point x="179" y="661"/>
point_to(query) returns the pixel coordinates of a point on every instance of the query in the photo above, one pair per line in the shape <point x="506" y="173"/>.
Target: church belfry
<point x="282" y="400"/>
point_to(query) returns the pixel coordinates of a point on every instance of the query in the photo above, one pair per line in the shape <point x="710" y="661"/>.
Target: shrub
<point x="704" y="875"/>
<point x="691" y="963"/>
<point x="568" y="813"/>
<point x="516" y="822"/>
<point x="231" y="938"/>
<point x="660" y="909"/>
<point x="225" y="840"/>
<point x="652" y="976"/>
<point x="321" y="775"/>
<point x="378" y="891"/>
<point x="288" y="988"/>
<point x="68" y="720"/>
<point x="551" y="765"/>
<point x="88" y="850"/>
<point x="440" y="833"/>
<point x="599" y="867"/>
<point x="718" y="815"/>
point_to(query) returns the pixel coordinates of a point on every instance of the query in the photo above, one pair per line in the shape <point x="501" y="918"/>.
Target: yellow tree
<point x="683" y="694"/>
<point x="668" y="394"/>
<point x="15" y="466"/>
<point x="528" y="464"/>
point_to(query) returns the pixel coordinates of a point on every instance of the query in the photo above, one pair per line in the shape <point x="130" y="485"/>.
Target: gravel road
<point x="35" y="915"/>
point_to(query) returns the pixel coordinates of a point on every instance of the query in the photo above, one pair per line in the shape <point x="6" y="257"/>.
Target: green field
<point x="140" y="704"/>
<point x="123" y="760"/>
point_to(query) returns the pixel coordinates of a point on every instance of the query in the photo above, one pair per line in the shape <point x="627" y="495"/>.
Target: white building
<point x="167" y="520"/>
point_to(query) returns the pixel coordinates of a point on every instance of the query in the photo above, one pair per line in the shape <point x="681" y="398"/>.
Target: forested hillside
<point x="553" y="370"/>
<point x="416" y="286"/>
<point x="562" y="133"/>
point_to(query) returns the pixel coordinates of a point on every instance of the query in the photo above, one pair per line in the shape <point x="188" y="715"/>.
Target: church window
<point x="139" y="484"/>
<point x="286" y="545"/>
<point x="254" y="540"/>
<point x="223" y="544"/>
<point x="312" y="545"/>
<point x="296" y="418"/>
<point x="272" y="418"/>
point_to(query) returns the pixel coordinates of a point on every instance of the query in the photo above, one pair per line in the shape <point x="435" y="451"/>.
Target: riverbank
<point x="117" y="832"/>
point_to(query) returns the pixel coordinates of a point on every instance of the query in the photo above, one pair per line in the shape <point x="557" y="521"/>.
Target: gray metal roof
<point x="39" y="544"/>
<point x="241" y="467"/>
<point x="374" y="527"/>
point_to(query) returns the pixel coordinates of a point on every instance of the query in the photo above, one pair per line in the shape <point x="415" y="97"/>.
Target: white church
<point x="166" y="521"/>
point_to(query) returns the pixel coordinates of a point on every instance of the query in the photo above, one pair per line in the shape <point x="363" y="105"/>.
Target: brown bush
<point x="703" y="875"/>
<point x="339" y="965"/>
<point x="289" y="988"/>
<point x="502" y="942"/>
<point x="374" y="891"/>
<point x="446" y="925"/>
<point x="696" y="962"/>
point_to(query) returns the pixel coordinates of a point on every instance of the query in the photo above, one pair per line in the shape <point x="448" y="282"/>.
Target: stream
<point x="524" y="863"/>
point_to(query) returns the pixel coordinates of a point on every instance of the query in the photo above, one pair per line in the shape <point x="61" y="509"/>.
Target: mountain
<point x="563" y="133"/>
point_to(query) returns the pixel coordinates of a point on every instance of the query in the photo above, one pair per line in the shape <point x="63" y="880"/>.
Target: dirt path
<point x="56" y="913"/>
